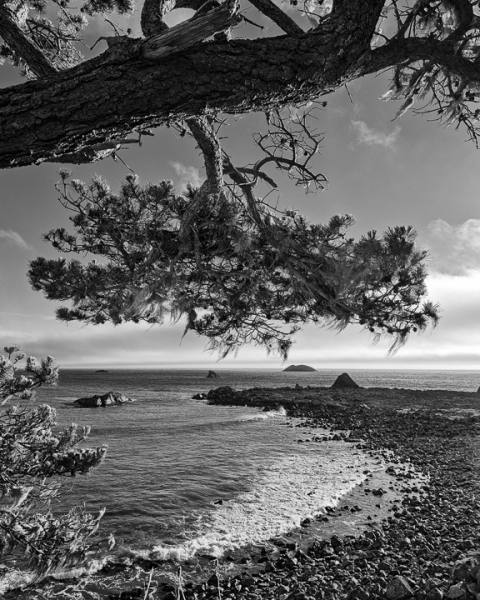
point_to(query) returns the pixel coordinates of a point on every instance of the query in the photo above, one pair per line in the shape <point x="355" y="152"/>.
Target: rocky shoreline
<point x="425" y="545"/>
<point x="429" y="546"/>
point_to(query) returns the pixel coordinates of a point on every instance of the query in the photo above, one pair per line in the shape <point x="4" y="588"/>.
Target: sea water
<point x="184" y="478"/>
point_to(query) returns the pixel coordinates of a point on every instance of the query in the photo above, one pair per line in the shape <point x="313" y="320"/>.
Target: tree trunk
<point x="71" y="115"/>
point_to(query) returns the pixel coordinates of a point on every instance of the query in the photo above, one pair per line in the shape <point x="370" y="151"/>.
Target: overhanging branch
<point x="17" y="41"/>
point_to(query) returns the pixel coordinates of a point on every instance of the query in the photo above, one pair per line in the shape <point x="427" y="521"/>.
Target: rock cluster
<point x="108" y="399"/>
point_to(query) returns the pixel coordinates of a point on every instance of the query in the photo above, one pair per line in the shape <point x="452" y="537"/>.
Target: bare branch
<point x="207" y="140"/>
<point x="278" y="16"/>
<point x="191" y="32"/>
<point x="291" y="143"/>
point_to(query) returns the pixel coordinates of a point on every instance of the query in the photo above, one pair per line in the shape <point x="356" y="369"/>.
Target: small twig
<point x="148" y="586"/>
<point x="252" y="23"/>
<point x="349" y="94"/>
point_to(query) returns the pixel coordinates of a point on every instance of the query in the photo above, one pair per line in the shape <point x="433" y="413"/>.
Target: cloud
<point x="371" y="137"/>
<point x="186" y="174"/>
<point x="15" y="237"/>
<point x="454" y="250"/>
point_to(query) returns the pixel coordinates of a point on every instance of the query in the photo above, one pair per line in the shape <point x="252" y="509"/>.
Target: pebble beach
<point x="428" y="544"/>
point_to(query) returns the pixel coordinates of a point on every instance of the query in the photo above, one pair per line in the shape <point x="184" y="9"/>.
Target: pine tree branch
<point x="278" y="16"/>
<point x="191" y="32"/>
<point x="209" y="145"/>
<point x="17" y="41"/>
<point x="153" y="12"/>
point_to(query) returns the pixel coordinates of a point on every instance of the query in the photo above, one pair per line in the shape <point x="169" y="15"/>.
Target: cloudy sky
<point x="384" y="172"/>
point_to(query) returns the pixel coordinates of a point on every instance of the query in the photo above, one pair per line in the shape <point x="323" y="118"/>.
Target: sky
<point x="404" y="172"/>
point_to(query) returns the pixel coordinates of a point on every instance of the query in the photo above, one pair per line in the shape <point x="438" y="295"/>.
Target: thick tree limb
<point x="15" y="38"/>
<point x="278" y="16"/>
<point x="108" y="97"/>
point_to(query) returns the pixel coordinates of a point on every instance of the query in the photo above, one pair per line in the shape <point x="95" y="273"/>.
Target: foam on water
<point x="293" y="488"/>
<point x="269" y="414"/>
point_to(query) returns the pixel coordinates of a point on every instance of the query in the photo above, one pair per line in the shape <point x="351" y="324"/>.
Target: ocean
<point x="183" y="479"/>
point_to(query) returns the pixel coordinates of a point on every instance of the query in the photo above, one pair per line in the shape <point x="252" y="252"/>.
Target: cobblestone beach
<point x="427" y="548"/>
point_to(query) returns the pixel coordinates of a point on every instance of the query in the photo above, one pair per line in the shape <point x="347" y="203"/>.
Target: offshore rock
<point x="344" y="381"/>
<point x="212" y="374"/>
<point x="304" y="368"/>
<point x="108" y="399"/>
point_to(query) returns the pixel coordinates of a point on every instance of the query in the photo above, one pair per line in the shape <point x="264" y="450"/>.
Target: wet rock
<point x="434" y="594"/>
<point x="465" y="569"/>
<point x="457" y="591"/>
<point x="398" y="589"/>
<point x="359" y="594"/>
<point x="213" y="580"/>
<point x="212" y="374"/>
<point x="247" y="581"/>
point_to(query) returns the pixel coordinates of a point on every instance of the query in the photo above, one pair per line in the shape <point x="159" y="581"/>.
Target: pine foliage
<point x="34" y="456"/>
<point x="238" y="274"/>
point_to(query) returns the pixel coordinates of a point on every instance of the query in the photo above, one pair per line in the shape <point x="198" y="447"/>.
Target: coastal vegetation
<point x="35" y="456"/>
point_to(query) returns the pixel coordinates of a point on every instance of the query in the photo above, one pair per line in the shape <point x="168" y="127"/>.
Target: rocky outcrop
<point x="304" y="368"/>
<point x="108" y="399"/>
<point x="222" y="393"/>
<point x="344" y="381"/>
<point x="212" y="374"/>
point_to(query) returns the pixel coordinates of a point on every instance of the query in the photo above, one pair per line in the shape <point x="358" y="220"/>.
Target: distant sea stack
<point x="299" y="368"/>
<point x="345" y="381"/>
<point x="101" y="371"/>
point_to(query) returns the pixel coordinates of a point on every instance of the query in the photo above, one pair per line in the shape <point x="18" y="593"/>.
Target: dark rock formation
<point x="345" y="381"/>
<point x="212" y="374"/>
<point x="299" y="368"/>
<point x="221" y="393"/>
<point x="108" y="399"/>
<point x="101" y="371"/>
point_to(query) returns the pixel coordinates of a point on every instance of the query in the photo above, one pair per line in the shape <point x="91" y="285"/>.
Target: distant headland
<point x="299" y="368"/>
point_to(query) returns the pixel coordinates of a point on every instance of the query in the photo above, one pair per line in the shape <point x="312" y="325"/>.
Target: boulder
<point x="212" y="374"/>
<point x="465" y="569"/>
<point x="108" y="399"/>
<point x="344" y="381"/>
<point x="457" y="590"/>
<point x="299" y="368"/>
<point x="398" y="589"/>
